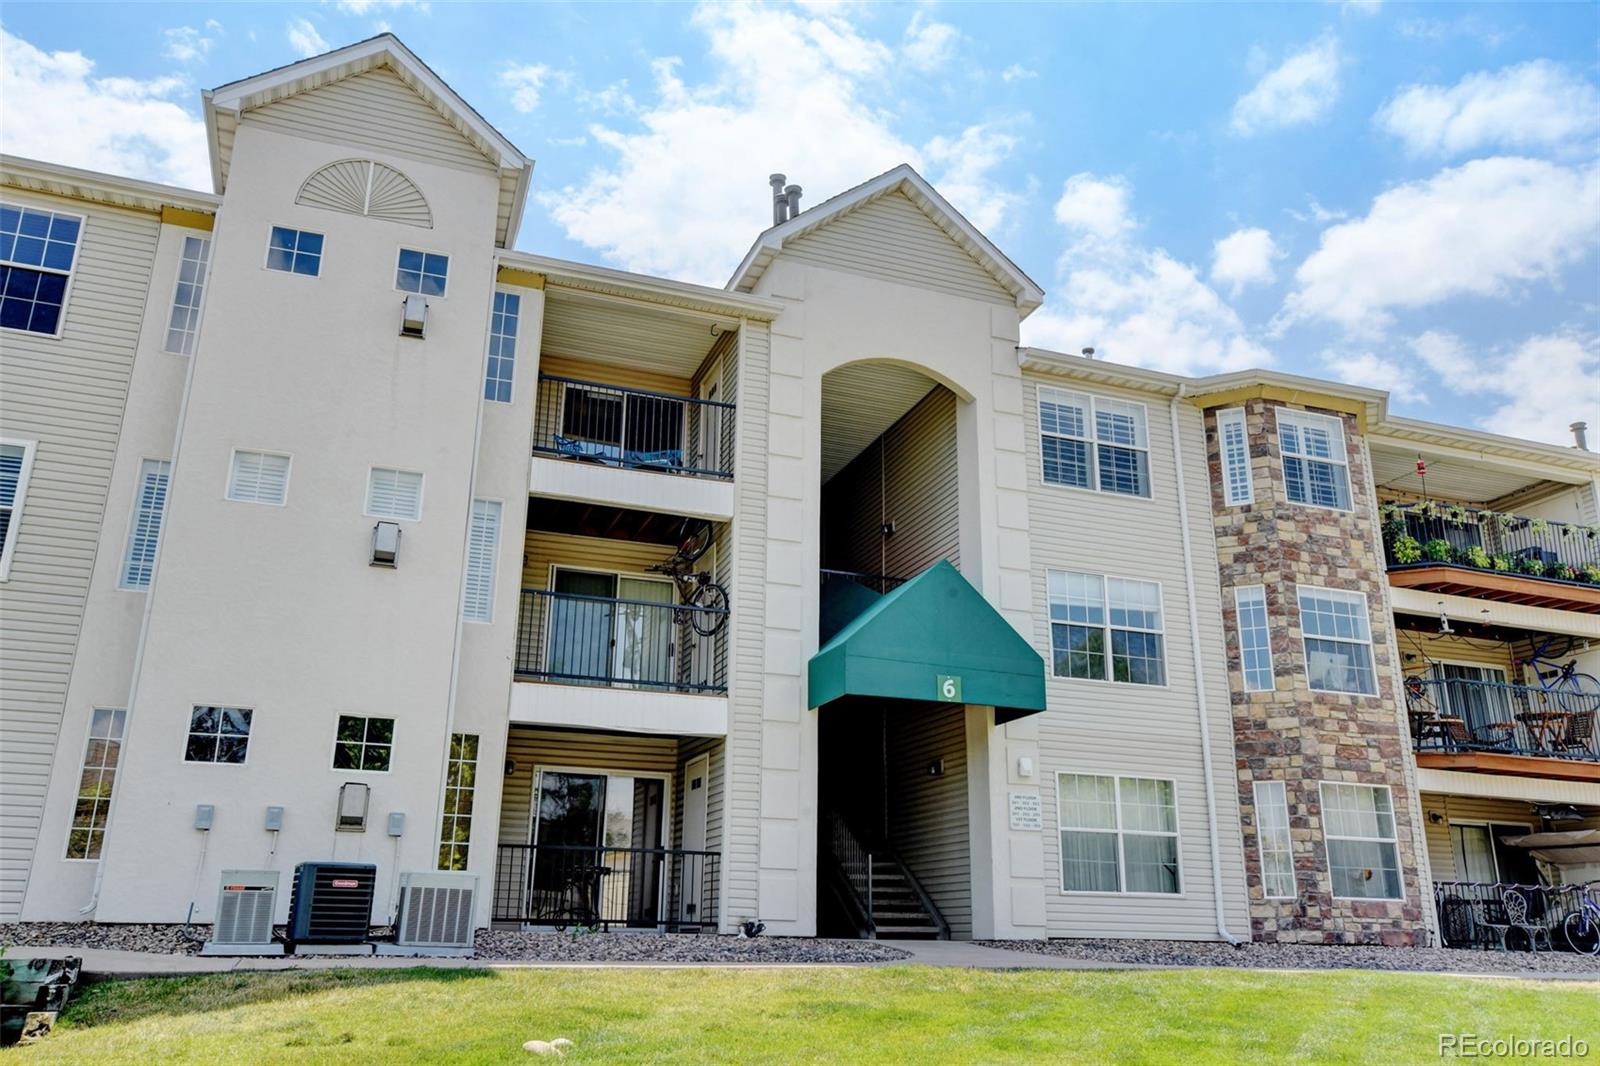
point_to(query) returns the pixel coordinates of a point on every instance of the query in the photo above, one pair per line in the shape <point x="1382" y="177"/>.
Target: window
<point x="218" y="734"/>
<point x="461" y="774"/>
<point x="1338" y="641"/>
<point x="1358" y="826"/>
<point x="502" y="347"/>
<point x="144" y="529"/>
<point x="1314" y="461"/>
<point x="1118" y="834"/>
<point x="16" y="463"/>
<point x="1272" y="838"/>
<point x="1082" y="628"/>
<point x="185" y="320"/>
<point x="259" y="477"/>
<point x="363" y="743"/>
<point x="483" y="541"/>
<point x="1090" y="442"/>
<point x="37" y="249"/>
<point x="422" y="272"/>
<point x="394" y="494"/>
<point x="1233" y="443"/>
<point x="93" y="806"/>
<point x="295" y="251"/>
<point x="1255" y="637"/>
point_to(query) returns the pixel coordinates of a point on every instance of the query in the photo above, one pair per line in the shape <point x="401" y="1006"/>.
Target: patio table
<point x="1544" y="726"/>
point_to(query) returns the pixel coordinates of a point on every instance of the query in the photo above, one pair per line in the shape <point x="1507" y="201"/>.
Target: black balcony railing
<point x="1446" y="535"/>
<point x="1475" y="914"/>
<point x="1458" y="715"/>
<point x="568" y="886"/>
<point x="613" y="426"/>
<point x="593" y="640"/>
<point x="879" y="583"/>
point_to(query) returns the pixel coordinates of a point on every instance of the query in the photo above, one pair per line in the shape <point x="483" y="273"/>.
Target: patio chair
<point x="1578" y="734"/>
<point x="1481" y="915"/>
<point x="1516" y="905"/>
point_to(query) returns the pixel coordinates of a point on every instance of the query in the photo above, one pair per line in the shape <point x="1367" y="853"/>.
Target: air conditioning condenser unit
<point x="436" y="911"/>
<point x="243" y="923"/>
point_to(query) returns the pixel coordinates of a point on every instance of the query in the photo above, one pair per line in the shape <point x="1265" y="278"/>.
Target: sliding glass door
<point x="608" y="627"/>
<point x="597" y="837"/>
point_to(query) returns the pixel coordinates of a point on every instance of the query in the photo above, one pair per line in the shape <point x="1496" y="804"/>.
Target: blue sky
<point x="1405" y="196"/>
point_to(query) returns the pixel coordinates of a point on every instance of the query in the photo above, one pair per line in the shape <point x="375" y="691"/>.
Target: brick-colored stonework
<point x="1293" y="734"/>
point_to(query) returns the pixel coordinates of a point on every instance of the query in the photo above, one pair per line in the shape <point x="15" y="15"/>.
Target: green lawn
<point x="888" y="1015"/>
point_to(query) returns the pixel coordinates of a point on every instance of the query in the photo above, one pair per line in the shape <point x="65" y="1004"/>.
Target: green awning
<point x="933" y="639"/>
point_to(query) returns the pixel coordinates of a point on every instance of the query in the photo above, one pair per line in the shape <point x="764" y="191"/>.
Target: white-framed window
<point x="1233" y="444"/>
<point x="1358" y="829"/>
<point x="16" y="466"/>
<point x="294" y="251"/>
<point x="258" y="477"/>
<point x="1255" y="637"/>
<point x="363" y="743"/>
<point x="1099" y="623"/>
<point x="1338" y="641"/>
<point x="460" y="780"/>
<point x="218" y="735"/>
<point x="37" y="252"/>
<point x="1118" y="834"/>
<point x="1315" y="463"/>
<point x="144" y="527"/>
<point x="501" y="366"/>
<point x="422" y="272"/>
<point x="184" y="322"/>
<point x="1273" y="840"/>
<point x="1093" y="442"/>
<point x="101" y="754"/>
<point x="483" y="544"/>
<point x="394" y="494"/>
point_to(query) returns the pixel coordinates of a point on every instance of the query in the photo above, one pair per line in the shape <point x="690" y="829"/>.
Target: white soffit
<point x="579" y="325"/>
<point x="859" y="402"/>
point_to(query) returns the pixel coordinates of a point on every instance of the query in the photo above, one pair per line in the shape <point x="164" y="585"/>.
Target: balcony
<point x="1465" y="551"/>
<point x="1476" y="914"/>
<point x="621" y="643"/>
<point x="580" y="886"/>
<point x="635" y="429"/>
<point x="1497" y="727"/>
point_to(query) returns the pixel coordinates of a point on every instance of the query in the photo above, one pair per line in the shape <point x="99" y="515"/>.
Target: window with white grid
<point x="1233" y="443"/>
<point x="96" y="779"/>
<point x="1315" y="464"/>
<point x="502" y="362"/>
<point x="460" y="781"/>
<point x="184" y="322"/>
<point x="144" y="528"/>
<point x="259" y="477"/>
<point x="1093" y="442"/>
<point x="1255" y="637"/>
<point x="1273" y="840"/>
<point x="1106" y="628"/>
<point x="1338" y="641"/>
<point x="1363" y="853"/>
<point x="1118" y="834"/>
<point x="394" y="494"/>
<point x="483" y="543"/>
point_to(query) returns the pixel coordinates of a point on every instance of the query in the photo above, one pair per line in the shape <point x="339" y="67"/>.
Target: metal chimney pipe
<point x="1580" y="435"/>
<point x="1088" y="353"/>
<point x="793" y="194"/>
<point x="780" y="203"/>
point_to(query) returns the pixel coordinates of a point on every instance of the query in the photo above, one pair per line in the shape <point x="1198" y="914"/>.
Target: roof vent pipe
<point x="793" y="195"/>
<point x="780" y="202"/>
<point x="1088" y="353"/>
<point x="1580" y="435"/>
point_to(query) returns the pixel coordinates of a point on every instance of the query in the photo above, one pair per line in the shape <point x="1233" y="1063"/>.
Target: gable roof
<point x="225" y="104"/>
<point x="903" y="179"/>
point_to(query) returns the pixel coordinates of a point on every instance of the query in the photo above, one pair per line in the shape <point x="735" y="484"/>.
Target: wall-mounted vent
<point x="245" y="905"/>
<point x="365" y="187"/>
<point x="436" y="910"/>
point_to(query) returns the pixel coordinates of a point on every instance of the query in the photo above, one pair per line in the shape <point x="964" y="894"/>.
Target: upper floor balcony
<point x="631" y="428"/>
<point x="1467" y="551"/>
<point x="1469" y="723"/>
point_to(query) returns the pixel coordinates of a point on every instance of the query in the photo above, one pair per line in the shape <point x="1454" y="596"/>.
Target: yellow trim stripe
<point x="181" y="216"/>
<point x="526" y="279"/>
<point x="1280" y="394"/>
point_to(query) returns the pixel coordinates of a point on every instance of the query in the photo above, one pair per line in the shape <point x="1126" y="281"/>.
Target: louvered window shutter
<point x="394" y="494"/>
<point x="144" y="532"/>
<point x="483" y="541"/>
<point x="259" y="478"/>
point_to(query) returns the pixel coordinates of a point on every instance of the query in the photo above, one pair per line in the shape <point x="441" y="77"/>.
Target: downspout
<point x="1199" y="678"/>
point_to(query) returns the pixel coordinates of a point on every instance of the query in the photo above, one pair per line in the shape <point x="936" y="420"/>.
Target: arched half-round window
<point x="365" y="187"/>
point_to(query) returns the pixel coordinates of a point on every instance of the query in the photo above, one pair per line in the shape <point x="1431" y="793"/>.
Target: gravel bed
<point x="492" y="945"/>
<point x="1306" y="956"/>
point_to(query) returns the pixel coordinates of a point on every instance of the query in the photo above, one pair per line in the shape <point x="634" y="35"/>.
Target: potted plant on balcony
<point x="1531" y="566"/>
<point x="1500" y="563"/>
<point x="1406" y="549"/>
<point x="1591" y="574"/>
<point x="1437" y="550"/>
<point x="1474" y="556"/>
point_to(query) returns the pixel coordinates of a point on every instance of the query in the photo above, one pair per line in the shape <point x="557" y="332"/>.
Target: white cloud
<point x="795" y="90"/>
<point x="1446" y="356"/>
<point x="55" y="109"/>
<point x="1360" y="7"/>
<point x="366" y="7"/>
<point x="1301" y="89"/>
<point x="1244" y="257"/>
<point x="1531" y="104"/>
<point x="1375" y="372"/>
<point x="305" y="39"/>
<point x="526" y="81"/>
<point x="186" y="43"/>
<point x="1131" y="303"/>
<point x="1017" y="72"/>
<point x="1474" y="230"/>
<point x="1315" y="212"/>
<point x="929" y="45"/>
<point x="1549" y="381"/>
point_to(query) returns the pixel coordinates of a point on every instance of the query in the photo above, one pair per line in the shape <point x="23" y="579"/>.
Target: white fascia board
<point x="94" y="185"/>
<point x="645" y="287"/>
<point x="1410" y="431"/>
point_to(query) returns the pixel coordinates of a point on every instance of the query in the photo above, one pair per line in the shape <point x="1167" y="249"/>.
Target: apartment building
<point x="337" y="529"/>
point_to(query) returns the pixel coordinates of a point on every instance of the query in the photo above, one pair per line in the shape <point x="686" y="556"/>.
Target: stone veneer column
<point x="1293" y="734"/>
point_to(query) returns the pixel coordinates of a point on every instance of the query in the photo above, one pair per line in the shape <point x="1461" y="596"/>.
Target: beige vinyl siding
<point x="541" y="551"/>
<point x="1418" y="649"/>
<point x="1441" y="853"/>
<point x="67" y="394"/>
<point x="1098" y="727"/>
<point x="373" y="110"/>
<point x="612" y="752"/>
<point x="892" y="239"/>
<point x="622" y="377"/>
<point x="928" y="819"/>
<point x="908" y="477"/>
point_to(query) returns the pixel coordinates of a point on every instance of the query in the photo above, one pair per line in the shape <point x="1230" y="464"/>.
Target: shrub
<point x="1502" y="563"/>
<point x="1437" y="551"/>
<point x="1406" y="549"/>
<point x="1591" y="574"/>
<point x="1530" y="566"/>
<point x="1474" y="556"/>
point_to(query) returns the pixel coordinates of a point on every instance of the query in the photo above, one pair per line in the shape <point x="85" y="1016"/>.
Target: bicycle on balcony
<point x="703" y="604"/>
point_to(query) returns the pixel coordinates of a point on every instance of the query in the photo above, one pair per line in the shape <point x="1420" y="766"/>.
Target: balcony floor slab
<point x="640" y="490"/>
<point x="618" y="710"/>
